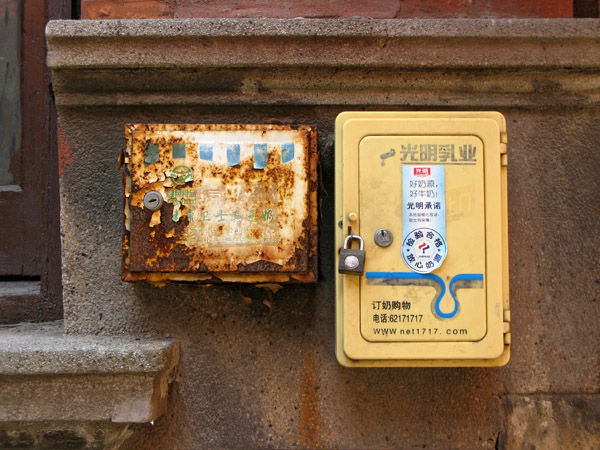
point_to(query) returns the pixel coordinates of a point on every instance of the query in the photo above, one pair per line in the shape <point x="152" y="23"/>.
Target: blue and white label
<point x="424" y="211"/>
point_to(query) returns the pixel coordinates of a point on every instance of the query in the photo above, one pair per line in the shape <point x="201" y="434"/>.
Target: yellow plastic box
<point x="435" y="183"/>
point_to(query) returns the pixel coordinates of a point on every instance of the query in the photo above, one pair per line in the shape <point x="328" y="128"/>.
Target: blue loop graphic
<point x="463" y="277"/>
<point x="444" y="315"/>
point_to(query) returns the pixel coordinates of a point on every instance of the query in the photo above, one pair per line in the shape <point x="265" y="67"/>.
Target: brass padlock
<point x="352" y="262"/>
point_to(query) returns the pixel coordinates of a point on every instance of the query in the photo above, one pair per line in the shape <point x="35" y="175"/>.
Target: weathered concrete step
<point x="48" y="376"/>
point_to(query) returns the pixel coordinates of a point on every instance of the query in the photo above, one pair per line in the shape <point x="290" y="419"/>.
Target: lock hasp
<point x="352" y="262"/>
<point x="437" y="295"/>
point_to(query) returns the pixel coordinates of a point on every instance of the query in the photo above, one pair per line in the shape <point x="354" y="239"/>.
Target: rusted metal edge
<point x="252" y="273"/>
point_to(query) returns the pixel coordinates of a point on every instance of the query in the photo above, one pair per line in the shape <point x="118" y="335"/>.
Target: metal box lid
<point x="219" y="203"/>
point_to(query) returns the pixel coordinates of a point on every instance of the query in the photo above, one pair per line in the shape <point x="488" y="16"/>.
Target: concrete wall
<point x="264" y="374"/>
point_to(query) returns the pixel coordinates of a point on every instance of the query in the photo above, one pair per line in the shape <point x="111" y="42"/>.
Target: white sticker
<point x="424" y="210"/>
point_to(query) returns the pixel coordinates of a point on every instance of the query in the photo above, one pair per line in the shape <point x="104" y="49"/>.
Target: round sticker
<point x="424" y="250"/>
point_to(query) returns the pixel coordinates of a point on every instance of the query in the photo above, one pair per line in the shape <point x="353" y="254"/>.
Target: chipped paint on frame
<point x="240" y="204"/>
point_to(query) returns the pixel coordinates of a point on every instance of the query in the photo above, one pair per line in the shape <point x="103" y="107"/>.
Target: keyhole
<point x="383" y="237"/>
<point x="153" y="200"/>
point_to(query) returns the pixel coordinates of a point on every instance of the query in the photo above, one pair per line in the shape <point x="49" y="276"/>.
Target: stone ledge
<point x="47" y="376"/>
<point x="338" y="39"/>
<point x="438" y="62"/>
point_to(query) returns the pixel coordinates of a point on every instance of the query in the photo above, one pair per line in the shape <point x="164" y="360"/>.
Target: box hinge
<point x="506" y="331"/>
<point x="503" y="155"/>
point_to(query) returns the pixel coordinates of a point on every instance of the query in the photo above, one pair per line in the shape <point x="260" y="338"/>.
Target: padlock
<point x="352" y="262"/>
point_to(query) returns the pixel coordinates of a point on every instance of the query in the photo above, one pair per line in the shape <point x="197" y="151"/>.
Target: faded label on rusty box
<point x="218" y="203"/>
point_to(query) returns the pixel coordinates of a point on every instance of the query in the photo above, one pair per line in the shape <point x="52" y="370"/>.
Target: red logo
<point x="422" y="171"/>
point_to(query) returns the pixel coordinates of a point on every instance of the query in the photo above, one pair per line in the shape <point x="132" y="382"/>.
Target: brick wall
<point x="381" y="9"/>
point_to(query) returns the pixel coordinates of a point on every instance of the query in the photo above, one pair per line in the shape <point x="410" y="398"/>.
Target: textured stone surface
<point x="63" y="436"/>
<point x="264" y="374"/>
<point x="554" y="209"/>
<point x="43" y="349"/>
<point x="324" y="43"/>
<point x="543" y="421"/>
<point x="47" y="376"/>
<point x="81" y="398"/>
<point x="430" y="63"/>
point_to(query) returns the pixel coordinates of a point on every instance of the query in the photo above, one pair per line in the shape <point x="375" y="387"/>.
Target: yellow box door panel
<point x="435" y="184"/>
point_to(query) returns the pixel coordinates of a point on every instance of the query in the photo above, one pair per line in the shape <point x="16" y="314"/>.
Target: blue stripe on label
<point x="178" y="151"/>
<point x="233" y="154"/>
<point x="465" y="281"/>
<point x="287" y="152"/>
<point x="205" y="152"/>
<point x="419" y="276"/>
<point x="467" y="277"/>
<point x="260" y="156"/>
<point x="408" y="276"/>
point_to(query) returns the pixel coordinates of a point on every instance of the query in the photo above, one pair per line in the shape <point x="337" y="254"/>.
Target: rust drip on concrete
<point x="310" y="407"/>
<point x="240" y="203"/>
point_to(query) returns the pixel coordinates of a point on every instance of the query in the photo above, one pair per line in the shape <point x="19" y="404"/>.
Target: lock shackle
<point x="348" y="241"/>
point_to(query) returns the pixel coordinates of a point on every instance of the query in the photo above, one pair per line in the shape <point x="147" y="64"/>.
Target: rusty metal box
<point x="220" y="203"/>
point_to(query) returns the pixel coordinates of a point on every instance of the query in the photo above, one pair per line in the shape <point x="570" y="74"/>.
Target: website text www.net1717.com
<point x="420" y="331"/>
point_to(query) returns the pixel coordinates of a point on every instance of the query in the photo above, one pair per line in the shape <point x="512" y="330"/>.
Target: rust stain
<point x="65" y="152"/>
<point x="227" y="213"/>
<point x="310" y="409"/>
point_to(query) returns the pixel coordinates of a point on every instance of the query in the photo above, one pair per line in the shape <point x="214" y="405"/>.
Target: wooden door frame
<point x="30" y="281"/>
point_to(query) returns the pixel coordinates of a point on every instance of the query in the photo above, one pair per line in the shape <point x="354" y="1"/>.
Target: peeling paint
<point x="155" y="219"/>
<point x="240" y="203"/>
